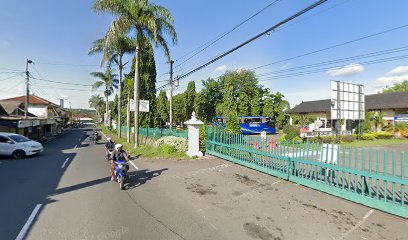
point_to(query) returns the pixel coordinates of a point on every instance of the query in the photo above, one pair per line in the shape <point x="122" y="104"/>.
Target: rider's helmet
<point x="109" y="139"/>
<point x="118" y="146"/>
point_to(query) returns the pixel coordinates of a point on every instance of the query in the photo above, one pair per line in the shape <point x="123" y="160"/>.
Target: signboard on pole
<point x="143" y="105"/>
<point x="347" y="101"/>
<point x="106" y="119"/>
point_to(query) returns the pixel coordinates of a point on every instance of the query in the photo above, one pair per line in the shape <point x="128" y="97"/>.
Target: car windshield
<point x="19" y="138"/>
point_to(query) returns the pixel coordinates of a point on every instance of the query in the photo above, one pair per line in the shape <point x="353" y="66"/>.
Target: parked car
<point x="18" y="146"/>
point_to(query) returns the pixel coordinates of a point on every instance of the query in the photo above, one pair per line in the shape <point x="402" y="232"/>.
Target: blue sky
<point x="61" y="32"/>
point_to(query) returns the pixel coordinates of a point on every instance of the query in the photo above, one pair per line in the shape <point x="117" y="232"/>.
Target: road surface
<point x="66" y="193"/>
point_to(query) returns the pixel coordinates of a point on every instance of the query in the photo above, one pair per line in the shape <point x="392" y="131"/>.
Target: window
<point x="3" y="139"/>
<point x="19" y="138"/>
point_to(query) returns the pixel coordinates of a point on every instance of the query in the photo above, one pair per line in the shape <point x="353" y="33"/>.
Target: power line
<point x="383" y="60"/>
<point x="330" y="62"/>
<point x="212" y="42"/>
<point x="333" y="46"/>
<point x="68" y="64"/>
<point x="13" y="76"/>
<point x="67" y="83"/>
<point x="73" y="89"/>
<point x="255" y="37"/>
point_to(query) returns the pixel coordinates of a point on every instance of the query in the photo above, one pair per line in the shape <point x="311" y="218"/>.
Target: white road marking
<point x="134" y="165"/>
<point x="27" y="225"/>
<point x="79" y="139"/>
<point x="75" y="146"/>
<point x="66" y="160"/>
<point x="357" y="225"/>
<point x="104" y="135"/>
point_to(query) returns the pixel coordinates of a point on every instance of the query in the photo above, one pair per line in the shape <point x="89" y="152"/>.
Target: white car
<point x="18" y="146"/>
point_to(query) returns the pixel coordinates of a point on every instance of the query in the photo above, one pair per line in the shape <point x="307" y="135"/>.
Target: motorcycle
<point x="120" y="173"/>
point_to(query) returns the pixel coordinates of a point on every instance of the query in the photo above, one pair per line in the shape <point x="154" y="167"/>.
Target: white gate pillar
<point x="194" y="136"/>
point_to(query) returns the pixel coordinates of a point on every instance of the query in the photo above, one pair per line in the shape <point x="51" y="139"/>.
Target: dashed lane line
<point x="27" y="225"/>
<point x="357" y="225"/>
<point x="66" y="161"/>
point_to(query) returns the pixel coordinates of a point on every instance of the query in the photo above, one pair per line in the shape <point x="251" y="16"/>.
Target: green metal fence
<point x="158" y="132"/>
<point x="372" y="177"/>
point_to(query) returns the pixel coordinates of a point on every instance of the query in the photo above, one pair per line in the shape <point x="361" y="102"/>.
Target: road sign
<point x="144" y="105"/>
<point x="347" y="101"/>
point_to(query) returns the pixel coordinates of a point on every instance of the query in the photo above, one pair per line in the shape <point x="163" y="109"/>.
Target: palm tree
<point x="96" y="102"/>
<point x="109" y="81"/>
<point x="114" y="54"/>
<point x="149" y="22"/>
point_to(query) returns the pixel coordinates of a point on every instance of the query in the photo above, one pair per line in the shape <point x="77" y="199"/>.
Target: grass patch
<point x="377" y="142"/>
<point x="145" y="150"/>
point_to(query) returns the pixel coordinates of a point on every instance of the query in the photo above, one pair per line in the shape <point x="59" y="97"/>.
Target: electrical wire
<point x="330" y="62"/>
<point x="296" y="15"/>
<point x="67" y="83"/>
<point x="383" y="60"/>
<point x="333" y="46"/>
<point x="212" y="42"/>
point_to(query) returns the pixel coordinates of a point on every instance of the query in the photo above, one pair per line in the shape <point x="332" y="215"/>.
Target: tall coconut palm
<point x="114" y="54"/>
<point x="108" y="81"/>
<point x="98" y="103"/>
<point x="147" y="21"/>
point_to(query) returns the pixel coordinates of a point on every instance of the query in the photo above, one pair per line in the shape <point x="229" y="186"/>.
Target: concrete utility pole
<point x="136" y="98"/>
<point x="128" y="118"/>
<point x="171" y="93"/>
<point x="27" y="102"/>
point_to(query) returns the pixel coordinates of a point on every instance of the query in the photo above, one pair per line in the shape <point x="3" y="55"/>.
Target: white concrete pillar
<point x="194" y="136"/>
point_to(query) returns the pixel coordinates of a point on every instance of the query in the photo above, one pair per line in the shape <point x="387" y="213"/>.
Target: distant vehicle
<point x="86" y="122"/>
<point x="249" y="124"/>
<point x="18" y="146"/>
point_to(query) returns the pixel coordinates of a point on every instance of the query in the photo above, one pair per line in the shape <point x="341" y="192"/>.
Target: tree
<point x="190" y="95"/>
<point x="162" y="111"/>
<point x="179" y="114"/>
<point x="114" y="54"/>
<point x="108" y="81"/>
<point x="256" y="108"/>
<point x="206" y="101"/>
<point x="97" y="103"/>
<point x="228" y="107"/>
<point x="276" y="107"/>
<point x="148" y="21"/>
<point x="398" y="87"/>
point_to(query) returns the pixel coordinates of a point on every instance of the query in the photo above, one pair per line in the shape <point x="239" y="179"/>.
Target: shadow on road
<point x="138" y="178"/>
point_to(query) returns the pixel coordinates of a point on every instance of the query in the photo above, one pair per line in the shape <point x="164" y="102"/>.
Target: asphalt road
<point x="206" y="198"/>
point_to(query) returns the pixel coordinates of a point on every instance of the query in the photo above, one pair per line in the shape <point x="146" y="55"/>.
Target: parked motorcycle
<point x="120" y="173"/>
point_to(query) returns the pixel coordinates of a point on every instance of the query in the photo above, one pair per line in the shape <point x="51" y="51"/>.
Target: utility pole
<point x="128" y="118"/>
<point x="136" y="98"/>
<point x="27" y="89"/>
<point x="171" y="93"/>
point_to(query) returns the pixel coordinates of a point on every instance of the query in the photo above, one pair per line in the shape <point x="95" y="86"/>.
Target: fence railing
<point x="158" y="132"/>
<point x="372" y="177"/>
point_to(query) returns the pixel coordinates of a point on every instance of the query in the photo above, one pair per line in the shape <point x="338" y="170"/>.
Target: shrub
<point x="168" y="149"/>
<point x="348" y="138"/>
<point x="297" y="139"/>
<point x="367" y="136"/>
<point x="179" y="143"/>
<point x="328" y="139"/>
<point x="203" y="136"/>
<point x="290" y="132"/>
<point x="383" y="135"/>
<point x="233" y="126"/>
<point x="282" y="139"/>
<point x="404" y="133"/>
<point x="400" y="126"/>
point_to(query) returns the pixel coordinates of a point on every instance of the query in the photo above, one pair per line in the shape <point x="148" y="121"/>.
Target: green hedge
<point x="383" y="135"/>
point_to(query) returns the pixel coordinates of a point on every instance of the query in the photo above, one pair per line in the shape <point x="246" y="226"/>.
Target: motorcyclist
<point x="118" y="154"/>
<point x="95" y="136"/>
<point x="109" y="147"/>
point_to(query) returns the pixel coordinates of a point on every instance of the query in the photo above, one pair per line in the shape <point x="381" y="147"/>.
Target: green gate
<point x="375" y="178"/>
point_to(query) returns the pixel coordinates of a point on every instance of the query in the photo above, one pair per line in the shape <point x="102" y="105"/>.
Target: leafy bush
<point x="290" y="132"/>
<point x="203" y="136"/>
<point x="282" y="139"/>
<point x="179" y="143"/>
<point x="404" y="133"/>
<point x="168" y="149"/>
<point x="233" y="126"/>
<point x="367" y="136"/>
<point x="328" y="139"/>
<point x="400" y="126"/>
<point x="348" y="138"/>
<point x="297" y="139"/>
<point x="383" y="135"/>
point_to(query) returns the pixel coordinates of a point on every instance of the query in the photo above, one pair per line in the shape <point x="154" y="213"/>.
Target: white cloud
<point x="398" y="71"/>
<point x="221" y="69"/>
<point x="345" y="71"/>
<point x="389" y="81"/>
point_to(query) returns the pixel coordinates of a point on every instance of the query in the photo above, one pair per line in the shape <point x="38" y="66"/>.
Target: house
<point x="388" y="104"/>
<point x="45" y="119"/>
